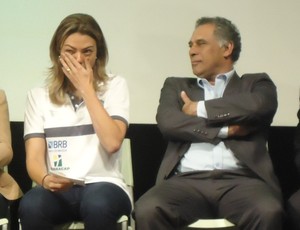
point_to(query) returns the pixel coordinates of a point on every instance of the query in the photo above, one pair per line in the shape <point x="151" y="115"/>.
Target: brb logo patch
<point x="57" y="144"/>
<point x="56" y="150"/>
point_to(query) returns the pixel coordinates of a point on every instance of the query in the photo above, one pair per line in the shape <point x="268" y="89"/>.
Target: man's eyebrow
<point x="197" y="41"/>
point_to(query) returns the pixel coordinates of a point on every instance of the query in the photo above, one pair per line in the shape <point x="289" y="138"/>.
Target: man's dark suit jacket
<point x="297" y="144"/>
<point x="250" y="100"/>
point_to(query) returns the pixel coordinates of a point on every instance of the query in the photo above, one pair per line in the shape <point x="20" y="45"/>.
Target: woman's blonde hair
<point x="58" y="84"/>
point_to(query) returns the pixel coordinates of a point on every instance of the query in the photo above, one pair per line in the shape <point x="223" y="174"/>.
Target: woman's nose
<point x="79" y="57"/>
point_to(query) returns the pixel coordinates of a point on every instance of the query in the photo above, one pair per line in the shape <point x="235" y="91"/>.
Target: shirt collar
<point x="223" y="76"/>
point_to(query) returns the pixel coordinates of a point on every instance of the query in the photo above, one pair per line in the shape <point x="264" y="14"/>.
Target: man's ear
<point x="228" y="48"/>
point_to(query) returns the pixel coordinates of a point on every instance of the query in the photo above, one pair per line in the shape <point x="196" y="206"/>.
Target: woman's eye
<point x="69" y="51"/>
<point x="88" y="52"/>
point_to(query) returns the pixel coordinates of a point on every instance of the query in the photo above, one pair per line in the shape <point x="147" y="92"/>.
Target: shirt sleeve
<point x="116" y="100"/>
<point x="201" y="110"/>
<point x="33" y="119"/>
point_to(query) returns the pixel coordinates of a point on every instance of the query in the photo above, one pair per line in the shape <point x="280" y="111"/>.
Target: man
<point x="293" y="205"/>
<point x="216" y="164"/>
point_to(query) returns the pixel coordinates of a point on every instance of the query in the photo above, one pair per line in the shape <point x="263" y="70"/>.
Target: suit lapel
<point x="233" y="85"/>
<point x="196" y="93"/>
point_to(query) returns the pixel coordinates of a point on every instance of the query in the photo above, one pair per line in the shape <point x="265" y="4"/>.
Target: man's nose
<point x="192" y="50"/>
<point x="191" y="53"/>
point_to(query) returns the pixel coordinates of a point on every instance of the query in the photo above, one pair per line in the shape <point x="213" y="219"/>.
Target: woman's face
<point x="81" y="47"/>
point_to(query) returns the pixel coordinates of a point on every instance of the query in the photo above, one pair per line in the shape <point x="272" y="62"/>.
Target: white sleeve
<point x="33" y="119"/>
<point x="116" y="99"/>
<point x="201" y="110"/>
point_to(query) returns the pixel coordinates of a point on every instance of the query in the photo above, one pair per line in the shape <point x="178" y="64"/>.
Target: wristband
<point x="44" y="179"/>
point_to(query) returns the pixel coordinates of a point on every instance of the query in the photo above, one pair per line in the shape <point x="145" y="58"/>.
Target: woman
<point x="74" y="128"/>
<point x="9" y="189"/>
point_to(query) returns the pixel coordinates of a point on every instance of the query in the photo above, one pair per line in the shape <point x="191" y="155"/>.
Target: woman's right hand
<point x="56" y="183"/>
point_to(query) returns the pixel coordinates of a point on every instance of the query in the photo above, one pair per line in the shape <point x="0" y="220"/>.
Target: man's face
<point x="207" y="57"/>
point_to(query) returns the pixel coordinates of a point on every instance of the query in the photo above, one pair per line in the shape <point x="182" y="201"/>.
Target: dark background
<point x="147" y="149"/>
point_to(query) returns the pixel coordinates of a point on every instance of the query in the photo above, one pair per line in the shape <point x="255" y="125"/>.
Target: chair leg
<point x="124" y="225"/>
<point x="13" y="214"/>
<point x="4" y="224"/>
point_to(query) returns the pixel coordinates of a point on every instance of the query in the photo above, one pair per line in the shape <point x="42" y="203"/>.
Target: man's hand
<point x="189" y="107"/>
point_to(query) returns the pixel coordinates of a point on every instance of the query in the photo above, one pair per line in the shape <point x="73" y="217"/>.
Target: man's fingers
<point x="184" y="97"/>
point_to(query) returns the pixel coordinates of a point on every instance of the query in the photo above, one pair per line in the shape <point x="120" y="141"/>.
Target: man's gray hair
<point x="225" y="32"/>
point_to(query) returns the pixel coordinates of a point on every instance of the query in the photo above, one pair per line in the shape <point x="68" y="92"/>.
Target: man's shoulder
<point x="255" y="75"/>
<point x="181" y="79"/>
<point x="252" y="78"/>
